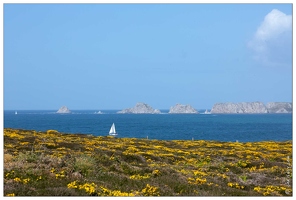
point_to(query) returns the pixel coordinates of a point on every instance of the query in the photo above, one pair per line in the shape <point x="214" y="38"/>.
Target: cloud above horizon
<point x="272" y="42"/>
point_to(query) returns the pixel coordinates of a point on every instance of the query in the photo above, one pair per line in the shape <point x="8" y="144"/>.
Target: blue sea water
<point x="219" y="127"/>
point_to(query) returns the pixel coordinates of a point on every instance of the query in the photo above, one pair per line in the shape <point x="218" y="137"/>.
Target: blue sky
<point x="111" y="56"/>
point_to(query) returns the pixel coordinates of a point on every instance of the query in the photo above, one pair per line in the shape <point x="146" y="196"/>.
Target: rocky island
<point x="63" y="110"/>
<point x="182" y="109"/>
<point x="252" y="107"/>
<point x="244" y="107"/>
<point x="140" y="108"/>
<point x="279" y="107"/>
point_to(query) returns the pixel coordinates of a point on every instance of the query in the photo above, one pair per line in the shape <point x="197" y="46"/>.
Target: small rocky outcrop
<point x="63" y="110"/>
<point x="182" y="109"/>
<point x="244" y="107"/>
<point x="140" y="108"/>
<point x="279" y="107"/>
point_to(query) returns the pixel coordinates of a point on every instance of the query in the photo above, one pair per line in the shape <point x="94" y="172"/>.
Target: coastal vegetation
<point x="59" y="164"/>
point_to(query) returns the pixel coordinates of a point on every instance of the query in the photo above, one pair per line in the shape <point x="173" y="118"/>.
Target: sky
<point x="111" y="56"/>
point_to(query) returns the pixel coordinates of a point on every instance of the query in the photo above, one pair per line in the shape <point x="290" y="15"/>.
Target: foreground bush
<point x="55" y="164"/>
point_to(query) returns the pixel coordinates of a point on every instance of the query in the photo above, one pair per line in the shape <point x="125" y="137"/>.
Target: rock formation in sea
<point x="279" y="107"/>
<point x="140" y="108"/>
<point x="252" y="107"/>
<point x="244" y="107"/>
<point x="182" y="109"/>
<point x="63" y="110"/>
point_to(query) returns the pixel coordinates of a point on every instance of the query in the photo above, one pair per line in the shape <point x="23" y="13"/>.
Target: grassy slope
<point x="55" y="164"/>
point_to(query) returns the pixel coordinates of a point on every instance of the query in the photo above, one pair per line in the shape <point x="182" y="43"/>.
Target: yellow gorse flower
<point x="17" y="179"/>
<point x="197" y="181"/>
<point x="60" y="175"/>
<point x="72" y="185"/>
<point x="156" y="172"/>
<point x="25" y="181"/>
<point x="199" y="173"/>
<point x="235" y="185"/>
<point x="106" y="192"/>
<point x="271" y="190"/>
<point x="150" y="190"/>
<point x="139" y="177"/>
<point x="89" y="188"/>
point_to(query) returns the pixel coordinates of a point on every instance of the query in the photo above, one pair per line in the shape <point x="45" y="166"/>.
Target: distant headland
<point x="252" y="107"/>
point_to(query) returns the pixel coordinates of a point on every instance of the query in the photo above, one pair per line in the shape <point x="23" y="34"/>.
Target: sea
<point x="217" y="127"/>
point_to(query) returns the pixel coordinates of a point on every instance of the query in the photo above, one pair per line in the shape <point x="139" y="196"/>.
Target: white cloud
<point x="272" y="42"/>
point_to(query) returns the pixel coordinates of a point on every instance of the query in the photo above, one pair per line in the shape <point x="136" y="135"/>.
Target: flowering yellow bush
<point x="93" y="189"/>
<point x="26" y="180"/>
<point x="271" y="190"/>
<point x="150" y="191"/>
<point x="89" y="188"/>
<point x="224" y="176"/>
<point x="199" y="173"/>
<point x="58" y="175"/>
<point x="117" y="193"/>
<point x="72" y="185"/>
<point x="156" y="172"/>
<point x="252" y="169"/>
<point x="17" y="179"/>
<point x="51" y="131"/>
<point x="13" y="134"/>
<point x="139" y="177"/>
<point x="235" y="185"/>
<point x="242" y="164"/>
<point x="197" y="181"/>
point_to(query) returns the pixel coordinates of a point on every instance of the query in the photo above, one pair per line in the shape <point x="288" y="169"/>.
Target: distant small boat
<point x="15" y="112"/>
<point x="99" y="112"/>
<point x="207" y="112"/>
<point x="112" y="130"/>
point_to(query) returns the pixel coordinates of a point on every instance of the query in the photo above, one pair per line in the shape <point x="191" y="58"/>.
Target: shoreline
<point x="134" y="138"/>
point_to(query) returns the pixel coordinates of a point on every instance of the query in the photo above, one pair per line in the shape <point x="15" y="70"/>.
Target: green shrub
<point x="84" y="164"/>
<point x="27" y="157"/>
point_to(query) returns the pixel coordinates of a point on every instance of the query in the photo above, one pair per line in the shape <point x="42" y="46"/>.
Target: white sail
<point x="112" y="130"/>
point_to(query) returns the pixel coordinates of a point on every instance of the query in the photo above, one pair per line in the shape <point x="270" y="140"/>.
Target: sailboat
<point x="15" y="112"/>
<point x="112" y="130"/>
